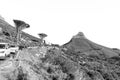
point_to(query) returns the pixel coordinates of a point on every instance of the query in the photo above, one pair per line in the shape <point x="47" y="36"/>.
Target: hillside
<point x="79" y="59"/>
<point x="8" y="29"/>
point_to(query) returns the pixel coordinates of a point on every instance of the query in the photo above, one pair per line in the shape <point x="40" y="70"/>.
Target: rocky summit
<point x="25" y="57"/>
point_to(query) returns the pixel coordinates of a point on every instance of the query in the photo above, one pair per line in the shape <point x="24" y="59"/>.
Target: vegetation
<point x="20" y="25"/>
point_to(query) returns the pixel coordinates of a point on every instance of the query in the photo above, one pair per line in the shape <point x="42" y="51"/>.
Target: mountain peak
<point x="79" y="35"/>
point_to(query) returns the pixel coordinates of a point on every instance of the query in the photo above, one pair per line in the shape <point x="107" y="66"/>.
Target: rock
<point x="79" y="35"/>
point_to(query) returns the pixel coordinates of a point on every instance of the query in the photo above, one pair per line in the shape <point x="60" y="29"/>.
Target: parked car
<point x="11" y="49"/>
<point x="3" y="48"/>
<point x="6" y="49"/>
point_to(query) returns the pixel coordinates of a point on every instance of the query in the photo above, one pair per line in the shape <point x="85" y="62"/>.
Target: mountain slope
<point x="8" y="29"/>
<point x="80" y="43"/>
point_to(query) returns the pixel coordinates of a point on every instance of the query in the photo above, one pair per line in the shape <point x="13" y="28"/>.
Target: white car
<point x="3" y="48"/>
<point x="12" y="49"/>
<point x="6" y="49"/>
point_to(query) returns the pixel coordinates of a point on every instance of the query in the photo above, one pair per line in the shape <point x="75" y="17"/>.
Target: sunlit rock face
<point x="79" y="59"/>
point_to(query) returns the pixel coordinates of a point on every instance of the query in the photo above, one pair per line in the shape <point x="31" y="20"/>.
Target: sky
<point x="99" y="20"/>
